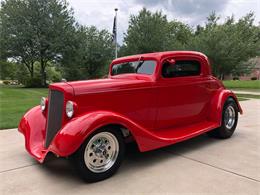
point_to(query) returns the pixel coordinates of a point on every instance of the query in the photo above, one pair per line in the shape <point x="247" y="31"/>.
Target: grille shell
<point x="55" y="113"/>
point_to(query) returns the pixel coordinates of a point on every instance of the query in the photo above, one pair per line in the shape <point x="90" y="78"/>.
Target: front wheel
<point x="100" y="156"/>
<point x="229" y="120"/>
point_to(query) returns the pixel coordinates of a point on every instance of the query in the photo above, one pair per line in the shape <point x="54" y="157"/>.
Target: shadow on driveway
<point x="134" y="160"/>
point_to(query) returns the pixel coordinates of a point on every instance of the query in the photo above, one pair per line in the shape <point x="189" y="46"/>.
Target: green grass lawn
<point x="243" y="85"/>
<point x="241" y="99"/>
<point x="15" y="101"/>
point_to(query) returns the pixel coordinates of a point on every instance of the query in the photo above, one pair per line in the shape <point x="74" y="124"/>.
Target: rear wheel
<point x="229" y="120"/>
<point x="100" y="156"/>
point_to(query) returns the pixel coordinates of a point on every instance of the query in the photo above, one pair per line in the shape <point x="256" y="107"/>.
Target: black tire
<point x="223" y="132"/>
<point x="86" y="173"/>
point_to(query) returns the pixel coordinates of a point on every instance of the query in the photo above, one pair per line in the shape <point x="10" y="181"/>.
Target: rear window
<point x="181" y="68"/>
<point x="137" y="67"/>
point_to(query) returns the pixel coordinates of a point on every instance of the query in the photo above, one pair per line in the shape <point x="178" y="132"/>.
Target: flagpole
<point x="116" y="33"/>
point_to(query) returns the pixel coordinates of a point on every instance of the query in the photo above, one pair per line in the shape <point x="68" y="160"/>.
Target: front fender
<point x="32" y="126"/>
<point x="74" y="133"/>
<point x="217" y="104"/>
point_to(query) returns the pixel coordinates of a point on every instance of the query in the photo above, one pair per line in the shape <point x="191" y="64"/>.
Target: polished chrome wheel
<point x="101" y="152"/>
<point x="228" y="122"/>
<point x="229" y="117"/>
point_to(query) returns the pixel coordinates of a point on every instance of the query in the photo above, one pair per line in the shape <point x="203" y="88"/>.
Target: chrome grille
<point x="54" y="118"/>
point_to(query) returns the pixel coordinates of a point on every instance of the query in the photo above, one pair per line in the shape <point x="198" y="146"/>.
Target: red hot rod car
<point x="154" y="99"/>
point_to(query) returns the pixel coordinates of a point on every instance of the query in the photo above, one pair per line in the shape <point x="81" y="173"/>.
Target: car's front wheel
<point x="229" y="120"/>
<point x="101" y="155"/>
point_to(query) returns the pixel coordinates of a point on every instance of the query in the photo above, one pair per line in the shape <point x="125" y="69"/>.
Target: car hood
<point x="101" y="85"/>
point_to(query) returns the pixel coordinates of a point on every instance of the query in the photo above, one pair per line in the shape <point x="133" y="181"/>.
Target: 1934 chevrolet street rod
<point x="154" y="99"/>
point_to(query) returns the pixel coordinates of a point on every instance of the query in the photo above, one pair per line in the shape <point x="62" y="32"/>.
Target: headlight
<point x="69" y="109"/>
<point x="43" y="103"/>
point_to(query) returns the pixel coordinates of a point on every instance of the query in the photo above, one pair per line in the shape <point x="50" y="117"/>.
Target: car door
<point x="182" y="94"/>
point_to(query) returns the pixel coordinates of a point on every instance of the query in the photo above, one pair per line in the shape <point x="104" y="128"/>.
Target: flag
<point x="114" y="31"/>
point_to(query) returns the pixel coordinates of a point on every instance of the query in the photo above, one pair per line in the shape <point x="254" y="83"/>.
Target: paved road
<point x="201" y="165"/>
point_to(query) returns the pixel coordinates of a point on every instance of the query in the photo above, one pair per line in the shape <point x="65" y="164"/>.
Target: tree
<point x="244" y="67"/>
<point x="7" y="70"/>
<point x="228" y="44"/>
<point x="35" y="30"/>
<point x="92" y="50"/>
<point x="15" y="38"/>
<point x="147" y="32"/>
<point x="151" y="32"/>
<point x="179" y="35"/>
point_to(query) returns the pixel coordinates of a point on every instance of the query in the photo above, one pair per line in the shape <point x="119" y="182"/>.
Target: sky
<point x="101" y="12"/>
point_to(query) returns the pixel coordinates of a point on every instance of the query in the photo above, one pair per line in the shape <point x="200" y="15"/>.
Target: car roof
<point x="160" y="55"/>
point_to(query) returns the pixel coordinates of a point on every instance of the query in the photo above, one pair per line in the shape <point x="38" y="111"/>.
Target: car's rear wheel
<point x="101" y="155"/>
<point x="229" y="120"/>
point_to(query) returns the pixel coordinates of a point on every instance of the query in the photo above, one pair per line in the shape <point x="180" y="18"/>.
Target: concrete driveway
<point x="201" y="165"/>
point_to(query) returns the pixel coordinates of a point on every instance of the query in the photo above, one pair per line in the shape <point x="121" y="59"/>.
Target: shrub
<point x="14" y="82"/>
<point x="7" y="70"/>
<point x="22" y="74"/>
<point x="6" y="82"/>
<point x="53" y="75"/>
<point x="33" y="82"/>
<point x="253" y="78"/>
<point x="236" y="78"/>
<point x="56" y="78"/>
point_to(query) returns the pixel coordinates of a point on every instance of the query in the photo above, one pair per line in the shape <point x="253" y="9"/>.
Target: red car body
<point x="156" y="111"/>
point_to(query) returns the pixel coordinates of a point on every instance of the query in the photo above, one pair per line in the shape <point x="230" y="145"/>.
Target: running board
<point x="185" y="132"/>
<point x="163" y="137"/>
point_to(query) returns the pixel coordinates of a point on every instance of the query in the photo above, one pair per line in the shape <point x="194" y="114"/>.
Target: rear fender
<point x="74" y="133"/>
<point x="217" y="104"/>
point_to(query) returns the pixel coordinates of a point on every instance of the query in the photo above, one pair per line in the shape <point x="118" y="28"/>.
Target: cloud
<point x="195" y="12"/>
<point x="101" y="12"/>
<point x="191" y="11"/>
<point x="189" y="6"/>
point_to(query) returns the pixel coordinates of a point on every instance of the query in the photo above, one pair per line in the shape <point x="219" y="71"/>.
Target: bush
<point x="22" y="74"/>
<point x="6" y="82"/>
<point x="33" y="82"/>
<point x="14" y="82"/>
<point x="236" y="78"/>
<point x="53" y="74"/>
<point x="7" y="70"/>
<point x="253" y="78"/>
<point x="56" y="78"/>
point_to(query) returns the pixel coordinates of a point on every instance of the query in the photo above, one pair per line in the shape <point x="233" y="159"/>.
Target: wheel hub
<point x="101" y="152"/>
<point x="229" y="117"/>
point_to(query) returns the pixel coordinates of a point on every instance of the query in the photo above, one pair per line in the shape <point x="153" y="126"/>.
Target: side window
<point x="181" y="68"/>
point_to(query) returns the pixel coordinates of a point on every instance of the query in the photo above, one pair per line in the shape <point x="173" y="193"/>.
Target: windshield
<point x="138" y="67"/>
